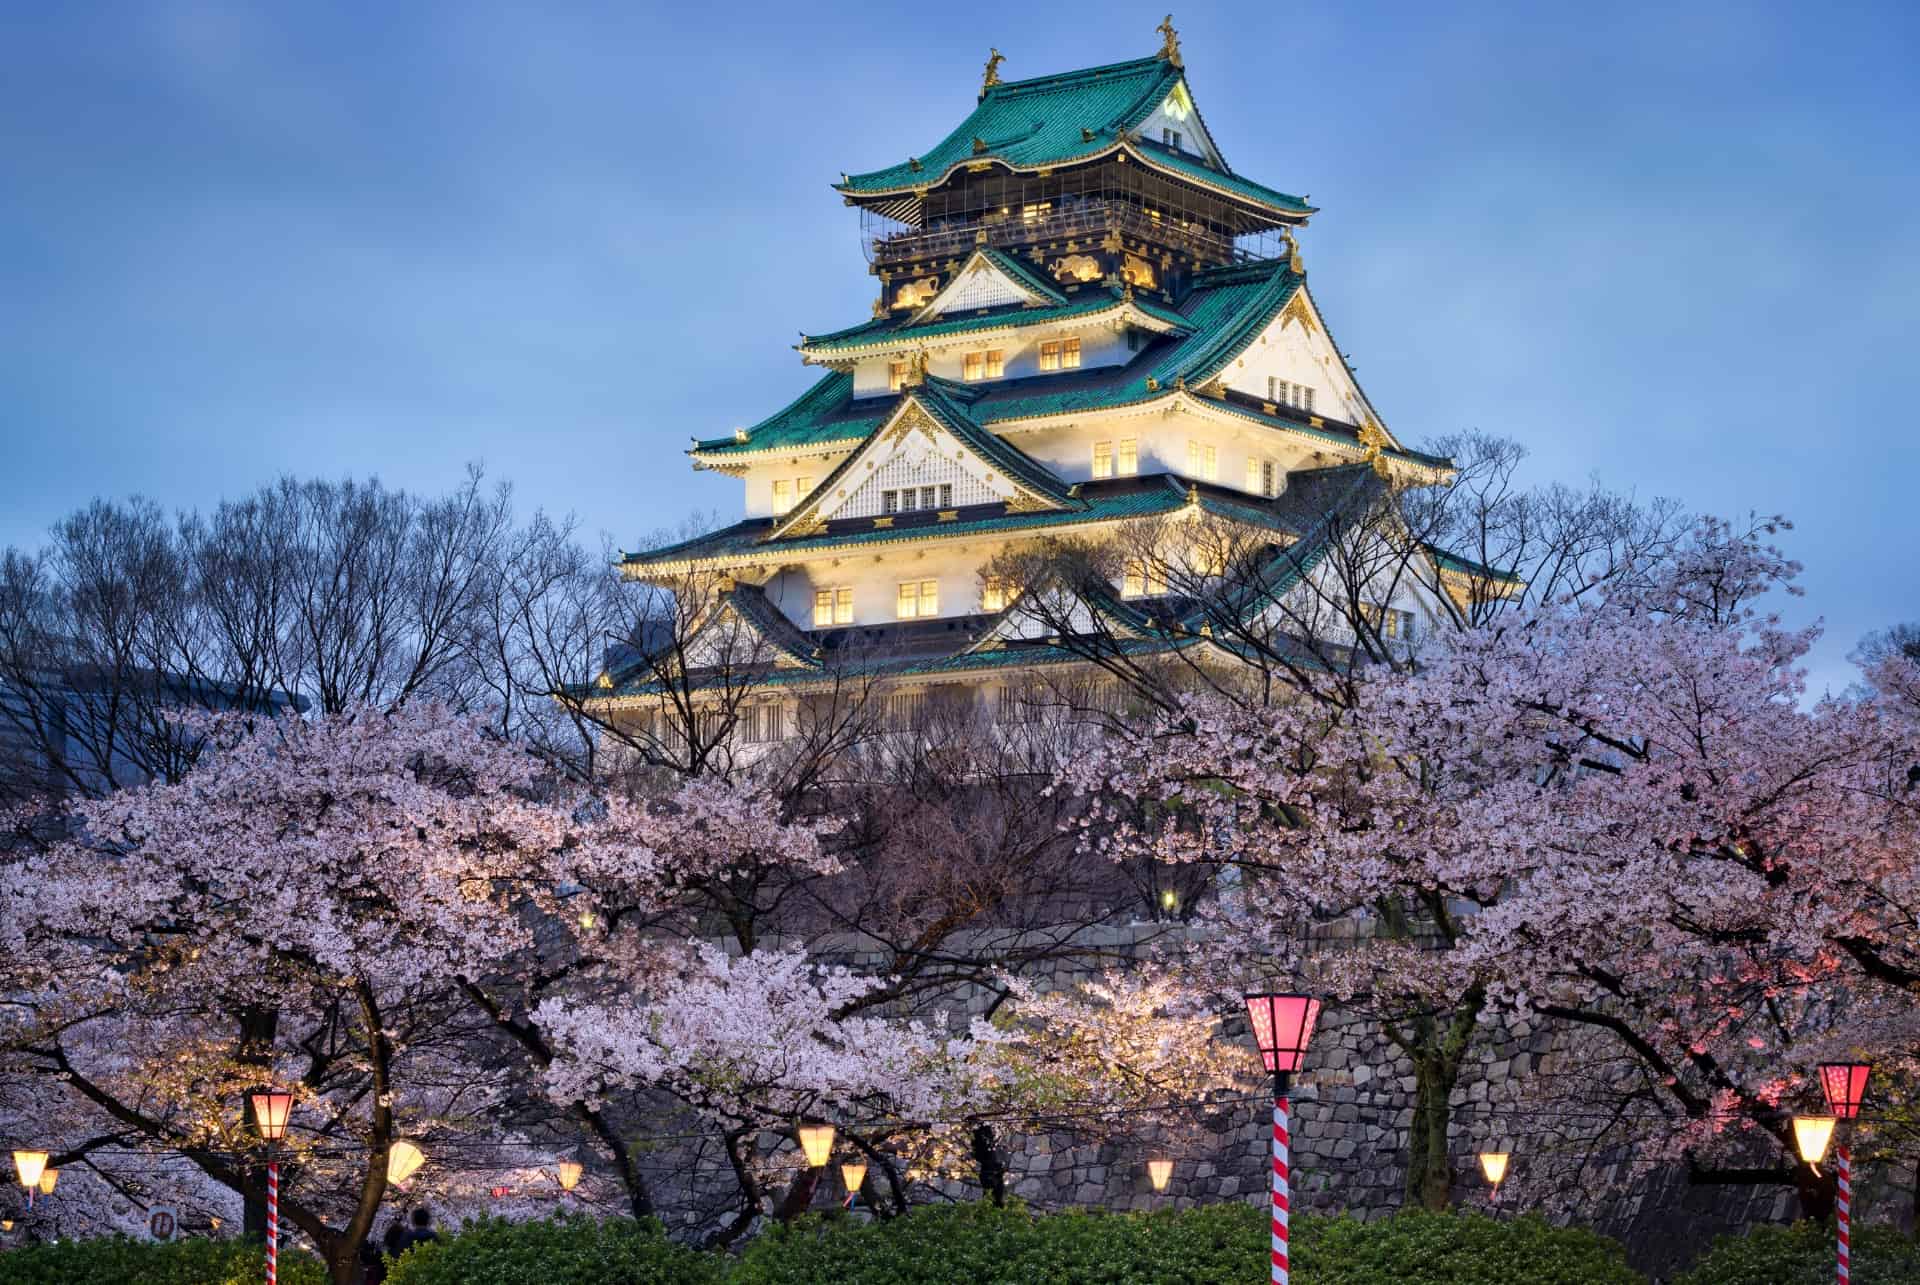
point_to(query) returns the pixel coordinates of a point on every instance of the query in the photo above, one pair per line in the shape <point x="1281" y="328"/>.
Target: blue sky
<point x="1670" y="245"/>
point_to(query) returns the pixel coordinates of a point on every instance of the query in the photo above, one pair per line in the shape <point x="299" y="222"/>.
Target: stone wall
<point x="1352" y="1111"/>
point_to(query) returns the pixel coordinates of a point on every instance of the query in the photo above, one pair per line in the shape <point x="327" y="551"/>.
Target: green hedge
<point x="970" y="1244"/>
<point x="572" y="1251"/>
<point x="1803" y="1255"/>
<point x="1216" y="1245"/>
<point x="118" y="1261"/>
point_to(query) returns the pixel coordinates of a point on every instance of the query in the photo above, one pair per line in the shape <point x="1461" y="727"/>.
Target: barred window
<point x="1129" y="456"/>
<point x="1103" y="459"/>
<point x="1203" y="460"/>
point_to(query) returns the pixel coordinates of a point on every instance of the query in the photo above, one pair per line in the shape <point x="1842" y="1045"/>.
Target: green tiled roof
<point x="1030" y="123"/>
<point x="885" y="330"/>
<point x="1466" y="566"/>
<point x="1022" y="273"/>
<point x="1223" y="313"/>
<point x="1054" y="120"/>
<point x="744" y="539"/>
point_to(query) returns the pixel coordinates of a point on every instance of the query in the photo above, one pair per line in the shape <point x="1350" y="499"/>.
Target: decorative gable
<point x="988" y="280"/>
<point x="743" y="632"/>
<point x="1294" y="363"/>
<point x="1176" y="124"/>
<point x="926" y="447"/>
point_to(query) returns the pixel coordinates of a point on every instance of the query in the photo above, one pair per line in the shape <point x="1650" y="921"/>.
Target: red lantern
<point x="1282" y="1026"/>
<point x="270" y="1111"/>
<point x="1845" y="1084"/>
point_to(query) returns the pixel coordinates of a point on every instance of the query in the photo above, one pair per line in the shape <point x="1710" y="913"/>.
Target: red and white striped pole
<point x="273" y="1222"/>
<point x="1281" y="1172"/>
<point x="1843" y="1215"/>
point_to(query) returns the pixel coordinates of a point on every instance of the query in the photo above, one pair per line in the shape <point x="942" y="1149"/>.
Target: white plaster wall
<point x="1287" y="350"/>
<point x="759" y="479"/>
<point x="875" y="578"/>
<point x="1162" y="444"/>
<point x="1100" y="345"/>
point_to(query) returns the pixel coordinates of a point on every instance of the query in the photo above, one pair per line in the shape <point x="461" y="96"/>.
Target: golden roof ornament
<point x="1170" y="48"/>
<point x="1374" y="438"/>
<point x="1293" y="253"/>
<point x="992" y="78"/>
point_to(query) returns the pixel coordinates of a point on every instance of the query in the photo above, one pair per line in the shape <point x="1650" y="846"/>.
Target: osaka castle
<point x="1087" y="324"/>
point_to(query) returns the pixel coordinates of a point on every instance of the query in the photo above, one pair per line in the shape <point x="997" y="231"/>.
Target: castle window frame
<point x="1127" y="462"/>
<point x="916" y="599"/>
<point x="1102" y="460"/>
<point x="832" y="605"/>
<point x="1203" y="460"/>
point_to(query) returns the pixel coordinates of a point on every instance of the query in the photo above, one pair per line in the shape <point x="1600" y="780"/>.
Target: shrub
<point x="1804" y="1253"/>
<point x="115" y="1260"/>
<point x="571" y="1251"/>
<point x="1214" y="1245"/>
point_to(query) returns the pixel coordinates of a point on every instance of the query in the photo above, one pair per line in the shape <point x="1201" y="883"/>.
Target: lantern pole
<point x="1844" y="1084"/>
<point x="270" y="1112"/>
<point x="1282" y="1176"/>
<point x="1282" y="1025"/>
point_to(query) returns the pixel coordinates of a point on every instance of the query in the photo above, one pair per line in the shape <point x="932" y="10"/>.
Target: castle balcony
<point x="1086" y="221"/>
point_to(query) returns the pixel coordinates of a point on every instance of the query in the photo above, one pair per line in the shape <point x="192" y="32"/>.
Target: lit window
<point x="897" y="375"/>
<point x="843" y="605"/>
<point x="1129" y="457"/>
<point x="1203" y="460"/>
<point x="983" y="365"/>
<point x="1263" y="477"/>
<point x="1103" y="459"/>
<point x="917" y="598"/>
<point x="995" y="594"/>
<point x="782" y="495"/>
<point x="1070" y="354"/>
<point x="1050" y="355"/>
<point x="822" y="607"/>
<point x="802" y="487"/>
<point x="1034" y="213"/>
<point x="1389" y="622"/>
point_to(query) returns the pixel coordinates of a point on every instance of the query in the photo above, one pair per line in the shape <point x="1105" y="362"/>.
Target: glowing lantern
<point x="49" y="1178"/>
<point x="817" y="1141"/>
<point x="6" y="1224"/>
<point x="1160" y="1171"/>
<point x="569" y="1172"/>
<point x="1494" y="1165"/>
<point x="1282" y="1026"/>
<point x="1845" y="1084"/>
<point x="29" y="1165"/>
<point x="270" y="1112"/>
<point x="853" y="1173"/>
<point x="1811" y="1134"/>
<point x="403" y="1161"/>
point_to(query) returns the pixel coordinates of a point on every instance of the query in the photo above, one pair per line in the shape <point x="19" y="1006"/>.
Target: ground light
<point x="853" y="1173"/>
<point x="817" y="1141"/>
<point x="1282" y="1025"/>
<point x="1160" y="1173"/>
<point x="403" y="1161"/>
<point x="1494" y="1165"/>
<point x="28" y="1166"/>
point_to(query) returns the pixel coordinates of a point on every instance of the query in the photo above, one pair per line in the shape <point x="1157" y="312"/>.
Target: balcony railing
<point x="1087" y="219"/>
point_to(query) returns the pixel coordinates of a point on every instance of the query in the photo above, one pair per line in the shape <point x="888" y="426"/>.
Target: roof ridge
<point x="1012" y="88"/>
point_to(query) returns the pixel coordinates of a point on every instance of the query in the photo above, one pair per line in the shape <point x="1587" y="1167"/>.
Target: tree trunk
<point x="993" y="1171"/>
<point x="799" y="1197"/>
<point x="1817" y="1192"/>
